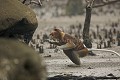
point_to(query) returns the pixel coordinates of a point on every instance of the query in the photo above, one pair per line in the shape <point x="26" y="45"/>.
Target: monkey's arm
<point x="67" y="46"/>
<point x="53" y="42"/>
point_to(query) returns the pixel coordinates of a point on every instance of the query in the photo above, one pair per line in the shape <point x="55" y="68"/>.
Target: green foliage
<point x="74" y="7"/>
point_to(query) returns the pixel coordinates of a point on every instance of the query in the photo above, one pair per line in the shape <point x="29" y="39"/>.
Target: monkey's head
<point x="57" y="34"/>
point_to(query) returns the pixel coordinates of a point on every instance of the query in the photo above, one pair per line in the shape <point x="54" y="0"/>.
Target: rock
<point x="48" y="56"/>
<point x="87" y="78"/>
<point x="90" y="68"/>
<point x="16" y="18"/>
<point x="110" y="75"/>
<point x="20" y="62"/>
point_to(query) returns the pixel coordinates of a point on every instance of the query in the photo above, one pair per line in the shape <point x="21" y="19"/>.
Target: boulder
<point x="16" y="18"/>
<point x="20" y="62"/>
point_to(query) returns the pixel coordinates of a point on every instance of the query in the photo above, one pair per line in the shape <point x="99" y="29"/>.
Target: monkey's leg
<point x="72" y="56"/>
<point x="82" y="53"/>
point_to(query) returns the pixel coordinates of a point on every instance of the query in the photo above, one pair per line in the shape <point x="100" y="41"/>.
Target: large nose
<point x="51" y="36"/>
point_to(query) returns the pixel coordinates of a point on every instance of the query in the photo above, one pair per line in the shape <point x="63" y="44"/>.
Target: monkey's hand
<point x="67" y="46"/>
<point x="48" y="40"/>
<point x="52" y="42"/>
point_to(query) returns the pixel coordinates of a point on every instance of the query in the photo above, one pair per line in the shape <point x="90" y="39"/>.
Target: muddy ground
<point x="104" y="64"/>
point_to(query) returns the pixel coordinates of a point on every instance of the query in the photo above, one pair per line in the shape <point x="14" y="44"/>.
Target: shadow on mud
<point x="70" y="77"/>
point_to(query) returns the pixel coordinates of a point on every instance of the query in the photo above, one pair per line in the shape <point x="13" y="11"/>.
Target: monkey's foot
<point x="91" y="53"/>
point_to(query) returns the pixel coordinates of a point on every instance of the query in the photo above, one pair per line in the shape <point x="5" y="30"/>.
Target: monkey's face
<point x="56" y="35"/>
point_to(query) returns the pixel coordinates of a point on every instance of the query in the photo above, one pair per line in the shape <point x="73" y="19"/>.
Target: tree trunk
<point x="87" y="40"/>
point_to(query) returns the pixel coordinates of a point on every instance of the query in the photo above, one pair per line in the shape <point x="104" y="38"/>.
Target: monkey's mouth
<point x="52" y="38"/>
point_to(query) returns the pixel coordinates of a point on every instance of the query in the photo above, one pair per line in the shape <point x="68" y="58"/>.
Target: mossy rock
<point x="20" y="62"/>
<point x="16" y="18"/>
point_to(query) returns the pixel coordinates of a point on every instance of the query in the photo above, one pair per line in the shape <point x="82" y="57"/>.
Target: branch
<point x="89" y="3"/>
<point x="100" y="5"/>
<point x="40" y="2"/>
<point x="37" y="2"/>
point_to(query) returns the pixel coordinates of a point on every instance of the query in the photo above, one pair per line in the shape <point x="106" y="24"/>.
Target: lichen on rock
<point x="20" y="62"/>
<point x="16" y="18"/>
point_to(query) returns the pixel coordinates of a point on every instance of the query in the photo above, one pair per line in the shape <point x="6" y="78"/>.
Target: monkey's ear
<point x="57" y="30"/>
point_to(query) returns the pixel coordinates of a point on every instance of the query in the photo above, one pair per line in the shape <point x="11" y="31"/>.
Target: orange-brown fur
<point x="79" y="50"/>
<point x="64" y="38"/>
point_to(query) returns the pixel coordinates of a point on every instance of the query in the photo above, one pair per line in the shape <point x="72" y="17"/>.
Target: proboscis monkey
<point x="71" y="46"/>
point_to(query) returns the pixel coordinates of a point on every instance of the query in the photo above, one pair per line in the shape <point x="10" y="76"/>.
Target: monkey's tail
<point x="106" y="50"/>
